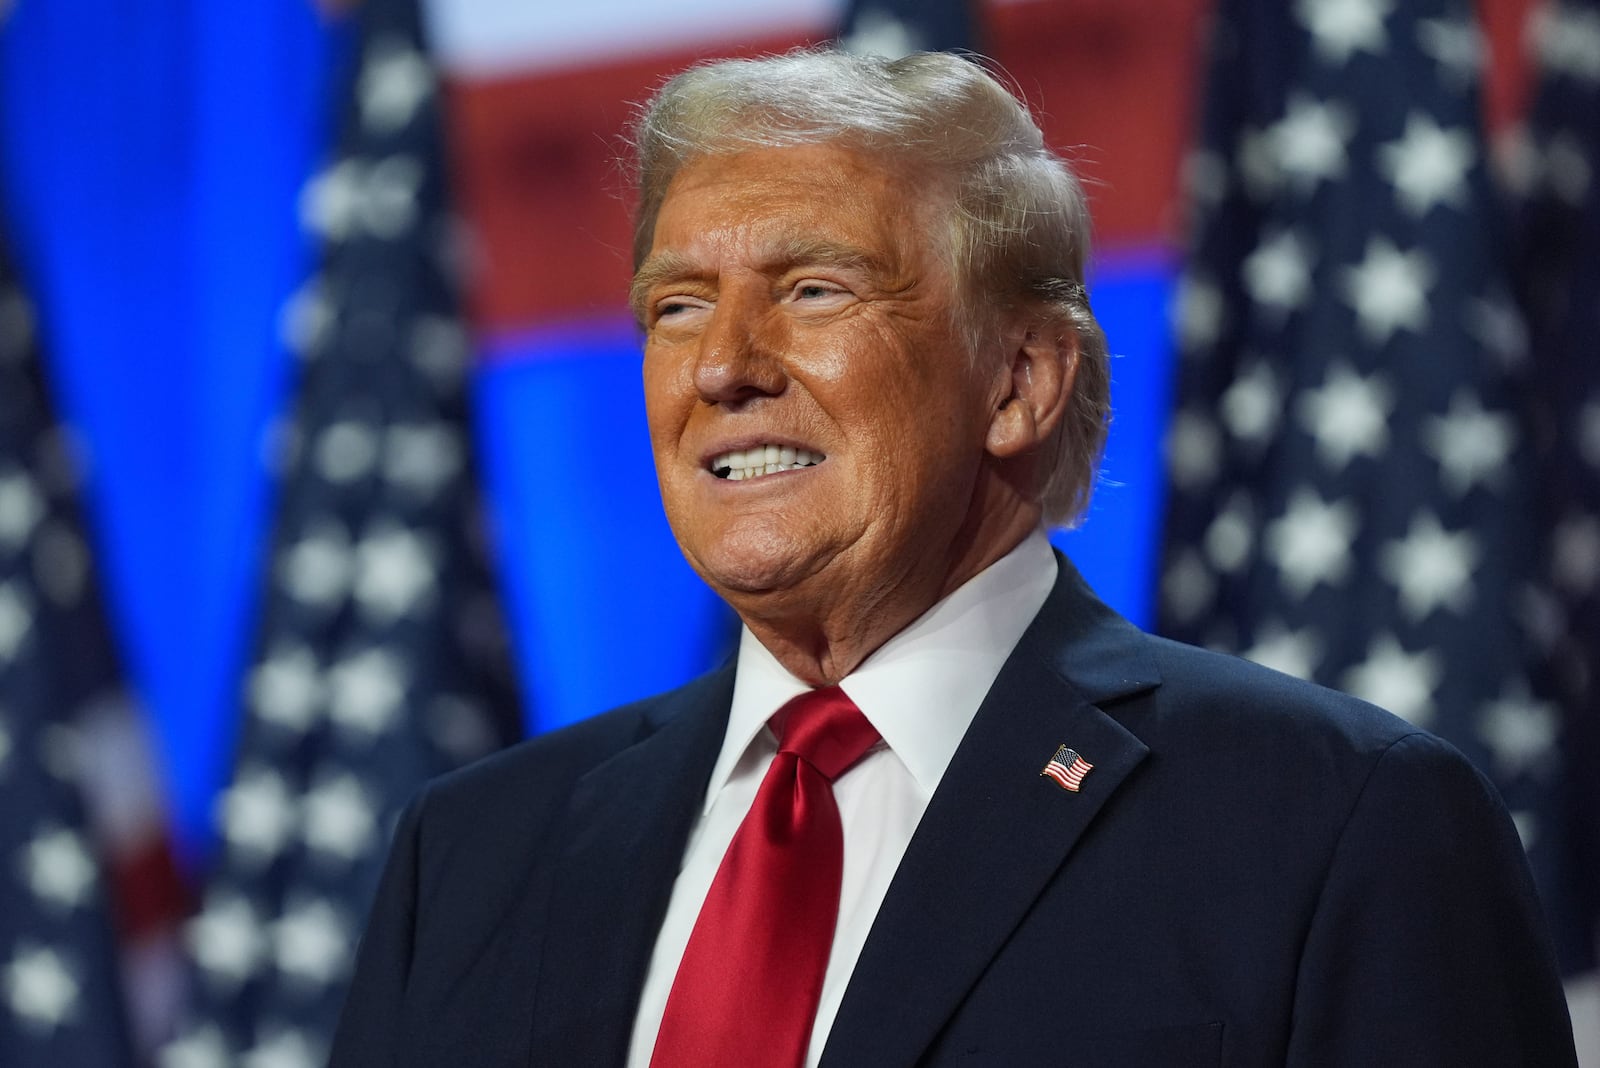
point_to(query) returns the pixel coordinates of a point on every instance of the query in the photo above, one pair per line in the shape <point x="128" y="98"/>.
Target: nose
<point x="740" y="357"/>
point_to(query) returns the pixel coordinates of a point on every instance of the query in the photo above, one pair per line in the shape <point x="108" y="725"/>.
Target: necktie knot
<point x="825" y="729"/>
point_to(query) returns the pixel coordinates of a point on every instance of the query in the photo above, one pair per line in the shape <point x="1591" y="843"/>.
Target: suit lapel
<point x="995" y="831"/>
<point x="620" y="850"/>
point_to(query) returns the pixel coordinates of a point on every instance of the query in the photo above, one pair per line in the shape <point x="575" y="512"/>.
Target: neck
<point x="823" y="632"/>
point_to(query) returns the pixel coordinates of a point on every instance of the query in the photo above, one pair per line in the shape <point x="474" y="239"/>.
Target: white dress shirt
<point x="920" y="690"/>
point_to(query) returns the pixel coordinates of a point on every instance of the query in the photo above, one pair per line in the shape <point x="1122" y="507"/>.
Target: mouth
<point x="761" y="460"/>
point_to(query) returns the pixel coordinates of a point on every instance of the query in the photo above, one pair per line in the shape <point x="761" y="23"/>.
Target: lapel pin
<point x="1067" y="768"/>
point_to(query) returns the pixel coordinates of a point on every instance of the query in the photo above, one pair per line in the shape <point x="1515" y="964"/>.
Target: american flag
<point x="1352" y="499"/>
<point x="897" y="28"/>
<point x="60" y="997"/>
<point x="1557" y="268"/>
<point x="381" y="659"/>
<point x="1067" y="768"/>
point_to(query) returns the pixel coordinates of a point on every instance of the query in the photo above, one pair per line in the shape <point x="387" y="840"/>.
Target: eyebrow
<point x="784" y="255"/>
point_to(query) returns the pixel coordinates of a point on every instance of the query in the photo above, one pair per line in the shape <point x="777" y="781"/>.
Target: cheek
<point x="663" y="406"/>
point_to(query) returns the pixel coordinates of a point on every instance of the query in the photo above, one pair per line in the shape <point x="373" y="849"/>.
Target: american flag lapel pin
<point x="1067" y="768"/>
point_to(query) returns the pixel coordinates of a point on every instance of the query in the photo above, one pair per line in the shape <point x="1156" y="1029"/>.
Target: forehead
<point x="746" y="201"/>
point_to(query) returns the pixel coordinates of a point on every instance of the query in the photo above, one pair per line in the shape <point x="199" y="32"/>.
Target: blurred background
<point x="323" y="465"/>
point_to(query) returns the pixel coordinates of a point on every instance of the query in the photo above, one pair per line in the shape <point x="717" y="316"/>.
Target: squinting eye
<point x="813" y="290"/>
<point x="670" y="307"/>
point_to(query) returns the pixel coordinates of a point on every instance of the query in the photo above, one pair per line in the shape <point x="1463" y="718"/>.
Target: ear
<point x="1042" y="363"/>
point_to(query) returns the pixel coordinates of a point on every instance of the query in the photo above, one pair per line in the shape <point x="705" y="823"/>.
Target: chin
<point x="755" y="565"/>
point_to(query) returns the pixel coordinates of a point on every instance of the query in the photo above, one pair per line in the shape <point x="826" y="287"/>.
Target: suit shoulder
<point x="1228" y="708"/>
<point x="1228" y="689"/>
<point x="547" y="765"/>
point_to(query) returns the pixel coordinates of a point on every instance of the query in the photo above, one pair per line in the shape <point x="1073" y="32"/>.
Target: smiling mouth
<point x="763" y="460"/>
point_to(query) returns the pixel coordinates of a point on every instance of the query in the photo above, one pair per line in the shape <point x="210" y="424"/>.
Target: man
<point x="1001" y="825"/>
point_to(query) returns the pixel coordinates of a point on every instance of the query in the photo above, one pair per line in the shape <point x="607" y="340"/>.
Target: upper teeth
<point x="763" y="460"/>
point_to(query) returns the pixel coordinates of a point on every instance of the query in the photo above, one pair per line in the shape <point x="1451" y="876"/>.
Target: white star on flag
<point x="1472" y="445"/>
<point x="1310" y="542"/>
<point x="1394" y="679"/>
<point x="1310" y="141"/>
<point x="1347" y="415"/>
<point x="21" y="509"/>
<point x="1198" y="311"/>
<point x="1388" y="289"/>
<point x="1256" y="156"/>
<point x="1456" y="45"/>
<point x="1252" y="404"/>
<point x="422" y="458"/>
<point x="285" y="1049"/>
<point x="366" y="689"/>
<point x="203" y="1047"/>
<point x="1431" y="567"/>
<point x="1577" y="553"/>
<point x="394" y="81"/>
<point x="41" y="990"/>
<point x="1341" y="28"/>
<point x="316" y="570"/>
<point x="1567" y="40"/>
<point x="1293" y="652"/>
<point x="330" y="202"/>
<point x="59" y="868"/>
<point x="395" y="572"/>
<point x="258" y="813"/>
<point x="60" y="562"/>
<point x="1230" y="536"/>
<point x="1519" y="730"/>
<point x="339" y="818"/>
<point x="1205" y="176"/>
<point x="227" y="939"/>
<point x="1495" y="323"/>
<point x="1566" y="169"/>
<point x="347" y="450"/>
<point x="306" y="319"/>
<point x="1428" y="165"/>
<point x="286" y="688"/>
<point x="311" y="942"/>
<point x="879" y="33"/>
<point x="389" y="207"/>
<point x="1277" y="274"/>
<point x="439" y="349"/>
<point x="1194" y="449"/>
<point x="1188" y="585"/>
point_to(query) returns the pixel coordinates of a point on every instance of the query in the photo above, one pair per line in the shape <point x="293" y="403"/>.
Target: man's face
<point x="797" y="310"/>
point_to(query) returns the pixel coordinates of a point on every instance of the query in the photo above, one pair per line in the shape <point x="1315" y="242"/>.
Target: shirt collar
<point x="922" y="687"/>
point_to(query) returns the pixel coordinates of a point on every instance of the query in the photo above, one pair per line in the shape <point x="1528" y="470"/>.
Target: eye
<point x="677" y="306"/>
<point x="810" y="290"/>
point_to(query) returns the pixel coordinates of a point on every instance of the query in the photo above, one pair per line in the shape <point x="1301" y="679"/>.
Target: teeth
<point x="763" y="460"/>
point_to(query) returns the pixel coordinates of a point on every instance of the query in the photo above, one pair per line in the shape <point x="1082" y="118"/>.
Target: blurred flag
<point x="1557" y="269"/>
<point x="1352" y="500"/>
<point x="381" y="657"/>
<point x="899" y="27"/>
<point x="60" y="997"/>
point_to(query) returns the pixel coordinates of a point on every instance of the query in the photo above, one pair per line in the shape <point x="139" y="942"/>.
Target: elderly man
<point x="945" y="807"/>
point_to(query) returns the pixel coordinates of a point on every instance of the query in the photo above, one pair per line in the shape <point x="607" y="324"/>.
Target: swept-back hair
<point x="1019" y="228"/>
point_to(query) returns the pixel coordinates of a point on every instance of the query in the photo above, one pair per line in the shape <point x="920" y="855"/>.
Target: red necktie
<point x="746" y="993"/>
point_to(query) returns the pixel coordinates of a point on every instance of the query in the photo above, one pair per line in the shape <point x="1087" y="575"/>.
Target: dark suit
<point x="1256" y="872"/>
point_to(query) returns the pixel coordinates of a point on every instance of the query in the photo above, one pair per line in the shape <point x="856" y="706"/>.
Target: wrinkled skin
<point x="797" y="296"/>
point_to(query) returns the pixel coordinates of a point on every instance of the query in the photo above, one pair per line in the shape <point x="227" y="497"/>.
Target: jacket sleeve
<point x="370" y="1025"/>
<point x="1428" y="946"/>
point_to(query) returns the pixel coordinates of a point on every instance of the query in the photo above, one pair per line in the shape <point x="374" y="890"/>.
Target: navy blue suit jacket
<point x="1256" y="872"/>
